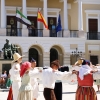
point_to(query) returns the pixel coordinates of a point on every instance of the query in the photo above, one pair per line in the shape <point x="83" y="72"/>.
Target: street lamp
<point x="77" y="53"/>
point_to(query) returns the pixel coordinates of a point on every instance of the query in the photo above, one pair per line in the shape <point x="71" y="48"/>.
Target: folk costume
<point x="49" y="76"/>
<point x="34" y="81"/>
<point x="25" y="91"/>
<point x="85" y="90"/>
<point x="15" y="75"/>
<point x="10" y="95"/>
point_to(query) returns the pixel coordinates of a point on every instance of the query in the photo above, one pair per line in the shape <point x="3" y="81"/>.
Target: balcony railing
<point x="53" y="33"/>
<point x="13" y="31"/>
<point x="93" y="35"/>
<point x="35" y="32"/>
<point x="73" y="33"/>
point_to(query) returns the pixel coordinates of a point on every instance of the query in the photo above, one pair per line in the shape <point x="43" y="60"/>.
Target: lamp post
<point x="77" y="53"/>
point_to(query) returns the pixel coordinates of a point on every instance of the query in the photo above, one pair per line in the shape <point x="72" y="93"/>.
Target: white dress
<point x="25" y="91"/>
<point x="16" y="79"/>
<point x="34" y="84"/>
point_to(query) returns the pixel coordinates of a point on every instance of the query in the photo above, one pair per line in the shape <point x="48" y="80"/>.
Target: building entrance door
<point x="33" y="29"/>
<point x="94" y="59"/>
<point x="93" y="28"/>
<point x="52" y="22"/>
<point x="11" y="26"/>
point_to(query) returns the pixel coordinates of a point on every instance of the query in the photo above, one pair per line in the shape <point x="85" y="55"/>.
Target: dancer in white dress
<point x="15" y="75"/>
<point x="34" y="81"/>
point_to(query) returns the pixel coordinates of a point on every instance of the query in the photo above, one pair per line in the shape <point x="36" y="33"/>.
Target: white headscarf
<point x="85" y="69"/>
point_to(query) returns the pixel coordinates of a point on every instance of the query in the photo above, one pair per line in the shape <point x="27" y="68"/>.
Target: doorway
<point x="33" y="29"/>
<point x="52" y="22"/>
<point x="53" y="54"/>
<point x="33" y="53"/>
<point x="93" y="28"/>
<point x="11" y="26"/>
<point x="94" y="59"/>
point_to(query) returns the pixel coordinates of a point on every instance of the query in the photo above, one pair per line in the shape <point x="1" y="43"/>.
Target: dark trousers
<point x="58" y="90"/>
<point x="49" y="94"/>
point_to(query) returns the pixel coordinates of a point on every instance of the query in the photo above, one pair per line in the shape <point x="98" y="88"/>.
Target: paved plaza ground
<point x="68" y="92"/>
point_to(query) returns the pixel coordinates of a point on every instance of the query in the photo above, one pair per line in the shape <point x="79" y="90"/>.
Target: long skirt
<point x="58" y="90"/>
<point x="15" y="89"/>
<point x="25" y="95"/>
<point x="86" y="93"/>
<point x="35" y="91"/>
<point x="49" y="94"/>
<point x="10" y="94"/>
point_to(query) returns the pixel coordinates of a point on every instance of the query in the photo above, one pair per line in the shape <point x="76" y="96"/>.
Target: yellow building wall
<point x="73" y="13"/>
<point x="13" y="3"/>
<point x="93" y="52"/>
<point x="89" y="7"/>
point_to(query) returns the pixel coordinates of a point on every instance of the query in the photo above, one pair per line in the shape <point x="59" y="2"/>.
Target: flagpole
<point x="37" y="20"/>
<point x="38" y="23"/>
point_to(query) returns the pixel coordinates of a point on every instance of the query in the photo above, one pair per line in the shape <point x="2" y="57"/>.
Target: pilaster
<point x="46" y="59"/>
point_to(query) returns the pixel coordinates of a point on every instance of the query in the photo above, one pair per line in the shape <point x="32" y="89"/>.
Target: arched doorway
<point x="53" y="54"/>
<point x="56" y="52"/>
<point x="33" y="53"/>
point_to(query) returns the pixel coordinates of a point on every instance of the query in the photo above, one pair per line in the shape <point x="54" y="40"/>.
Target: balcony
<point x="53" y="33"/>
<point x="74" y="33"/>
<point x="39" y="33"/>
<point x="35" y="32"/>
<point x="93" y="35"/>
<point x="13" y="31"/>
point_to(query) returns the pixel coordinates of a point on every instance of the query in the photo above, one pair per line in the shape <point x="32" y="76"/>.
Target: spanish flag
<point x="41" y="19"/>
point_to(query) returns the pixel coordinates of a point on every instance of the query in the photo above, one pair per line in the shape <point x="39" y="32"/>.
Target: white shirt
<point x="49" y="77"/>
<point x="34" y="80"/>
<point x="15" y="73"/>
<point x="4" y="75"/>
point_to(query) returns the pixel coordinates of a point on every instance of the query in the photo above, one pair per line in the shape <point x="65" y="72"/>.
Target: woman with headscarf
<point x="85" y="77"/>
<point x="25" y="91"/>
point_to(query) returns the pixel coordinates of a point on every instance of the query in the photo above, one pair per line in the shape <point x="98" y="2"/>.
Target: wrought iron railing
<point x="53" y="33"/>
<point x="35" y="32"/>
<point x="13" y="31"/>
<point x="93" y="35"/>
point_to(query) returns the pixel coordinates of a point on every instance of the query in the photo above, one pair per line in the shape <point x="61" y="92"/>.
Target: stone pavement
<point x="68" y="92"/>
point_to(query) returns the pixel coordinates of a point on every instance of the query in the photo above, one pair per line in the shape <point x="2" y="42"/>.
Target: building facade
<point x="80" y="36"/>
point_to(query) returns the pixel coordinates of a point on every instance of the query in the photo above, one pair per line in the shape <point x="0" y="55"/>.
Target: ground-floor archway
<point x="53" y="54"/>
<point x="33" y="53"/>
<point x="36" y="52"/>
<point x="56" y="52"/>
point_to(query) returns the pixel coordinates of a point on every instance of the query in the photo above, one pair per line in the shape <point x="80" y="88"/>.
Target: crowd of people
<point x="25" y="85"/>
<point x="5" y="81"/>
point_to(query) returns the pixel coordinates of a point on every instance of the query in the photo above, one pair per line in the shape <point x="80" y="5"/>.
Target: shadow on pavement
<point x="69" y="92"/>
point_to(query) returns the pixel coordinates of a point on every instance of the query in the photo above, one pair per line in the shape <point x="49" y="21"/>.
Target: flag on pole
<point x="59" y="27"/>
<point x="22" y="19"/>
<point x="41" y="19"/>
